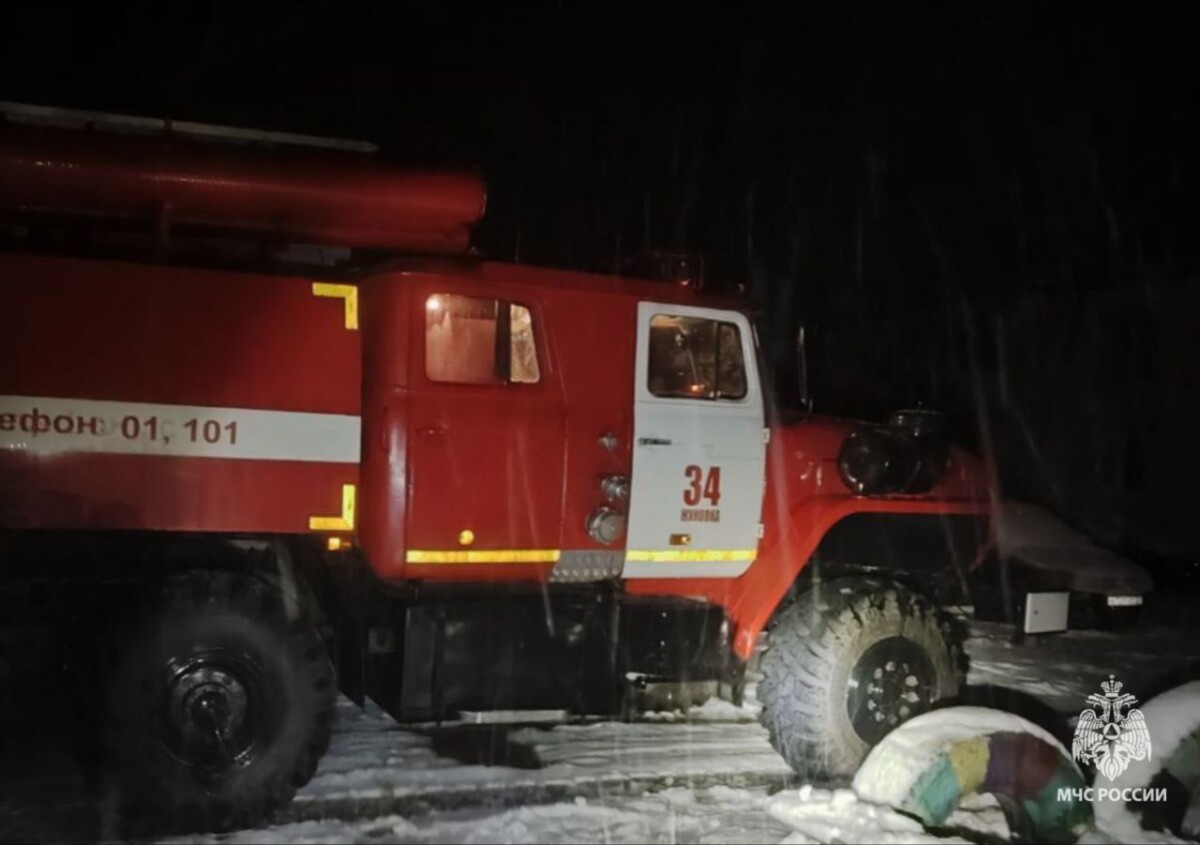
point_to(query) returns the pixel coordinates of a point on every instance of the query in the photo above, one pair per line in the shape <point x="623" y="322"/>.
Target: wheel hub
<point x="208" y="705"/>
<point x="893" y="681"/>
<point x="208" y="700"/>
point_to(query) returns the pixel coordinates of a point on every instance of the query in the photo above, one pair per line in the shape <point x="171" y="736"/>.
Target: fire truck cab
<point x="274" y="430"/>
<point x="559" y="428"/>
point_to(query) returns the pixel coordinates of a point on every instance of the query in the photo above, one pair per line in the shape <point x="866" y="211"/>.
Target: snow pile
<point x="821" y="815"/>
<point x="712" y="710"/>
<point x="1170" y="718"/>
<point x="896" y="771"/>
<point x="1021" y="525"/>
<point x="1040" y="539"/>
<point x="894" y="765"/>
<point x="1143" y="837"/>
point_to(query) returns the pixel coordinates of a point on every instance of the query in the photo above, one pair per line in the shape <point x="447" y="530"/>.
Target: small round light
<point x="606" y="525"/>
<point x="466" y="537"/>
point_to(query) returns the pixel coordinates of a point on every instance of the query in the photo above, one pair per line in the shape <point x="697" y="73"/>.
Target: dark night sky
<point x="862" y="150"/>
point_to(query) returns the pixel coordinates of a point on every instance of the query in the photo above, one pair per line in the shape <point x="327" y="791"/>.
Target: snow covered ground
<point x="717" y="814"/>
<point x="713" y="779"/>
<point x="375" y="765"/>
<point x="708" y="775"/>
<point x="1061" y="670"/>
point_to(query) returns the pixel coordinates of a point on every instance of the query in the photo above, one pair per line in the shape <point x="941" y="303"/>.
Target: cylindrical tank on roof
<point x="322" y="196"/>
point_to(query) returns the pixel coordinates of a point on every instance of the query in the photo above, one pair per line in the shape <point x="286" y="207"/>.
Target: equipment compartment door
<point x="699" y="445"/>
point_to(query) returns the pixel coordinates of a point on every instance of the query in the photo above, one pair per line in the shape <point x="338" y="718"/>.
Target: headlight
<point x="909" y="455"/>
<point x="873" y="461"/>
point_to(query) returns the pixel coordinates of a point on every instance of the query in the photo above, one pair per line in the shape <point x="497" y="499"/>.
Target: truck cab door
<point x="699" y="446"/>
<point x="485" y="432"/>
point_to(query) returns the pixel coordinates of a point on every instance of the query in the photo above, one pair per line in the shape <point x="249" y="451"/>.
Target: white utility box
<point x="1046" y="612"/>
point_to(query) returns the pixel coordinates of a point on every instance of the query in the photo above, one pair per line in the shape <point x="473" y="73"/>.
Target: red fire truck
<point x="270" y="429"/>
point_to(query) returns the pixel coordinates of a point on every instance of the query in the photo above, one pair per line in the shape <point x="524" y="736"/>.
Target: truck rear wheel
<point x="847" y="662"/>
<point x="223" y="705"/>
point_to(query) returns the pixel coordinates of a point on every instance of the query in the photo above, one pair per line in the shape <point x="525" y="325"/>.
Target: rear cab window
<point x="475" y="340"/>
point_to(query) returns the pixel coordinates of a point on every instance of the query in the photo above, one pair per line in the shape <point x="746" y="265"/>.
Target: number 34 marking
<point x="702" y="485"/>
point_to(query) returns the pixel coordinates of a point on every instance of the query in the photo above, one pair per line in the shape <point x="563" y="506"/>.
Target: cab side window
<point x="696" y="358"/>
<point x="470" y="340"/>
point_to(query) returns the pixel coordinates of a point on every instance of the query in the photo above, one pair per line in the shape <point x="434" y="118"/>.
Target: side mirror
<point x="802" y="338"/>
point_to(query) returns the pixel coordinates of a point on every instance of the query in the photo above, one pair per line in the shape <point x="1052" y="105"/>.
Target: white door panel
<point x="698" y="464"/>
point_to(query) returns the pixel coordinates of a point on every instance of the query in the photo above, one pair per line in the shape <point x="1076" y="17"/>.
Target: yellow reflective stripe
<point x="691" y="555"/>
<point x="345" y="522"/>
<point x="348" y="293"/>
<point x="485" y="556"/>
<point x="425" y="556"/>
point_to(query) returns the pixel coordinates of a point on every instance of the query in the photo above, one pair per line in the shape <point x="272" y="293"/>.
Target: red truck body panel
<point x="116" y="368"/>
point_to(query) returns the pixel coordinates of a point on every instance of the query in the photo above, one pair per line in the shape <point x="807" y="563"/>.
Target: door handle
<point x="653" y="441"/>
<point x="432" y="431"/>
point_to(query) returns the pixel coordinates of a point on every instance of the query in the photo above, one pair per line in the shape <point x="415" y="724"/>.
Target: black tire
<point x="825" y="674"/>
<point x="222" y="707"/>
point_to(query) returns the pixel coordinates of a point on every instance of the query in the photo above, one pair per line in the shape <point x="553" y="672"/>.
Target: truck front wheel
<point x="847" y="662"/>
<point x="223" y="705"/>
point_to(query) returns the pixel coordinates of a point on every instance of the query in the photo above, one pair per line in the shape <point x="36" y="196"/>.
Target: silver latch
<point x="615" y="488"/>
